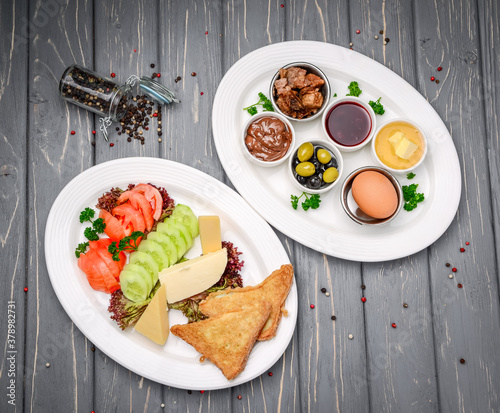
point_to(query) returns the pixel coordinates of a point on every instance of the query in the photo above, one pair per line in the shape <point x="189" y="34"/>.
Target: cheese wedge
<point x="154" y="322"/>
<point x="210" y="235"/>
<point x="395" y="139"/>
<point x="191" y="277"/>
<point x="406" y="149"/>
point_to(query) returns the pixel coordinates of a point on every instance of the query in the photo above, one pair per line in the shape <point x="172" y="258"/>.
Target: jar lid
<point x="153" y="89"/>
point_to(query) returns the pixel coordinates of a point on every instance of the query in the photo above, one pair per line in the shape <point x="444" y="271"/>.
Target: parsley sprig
<point x="92" y="232"/>
<point x="411" y="197"/>
<point x="311" y="201"/>
<point x="266" y="104"/>
<point x="354" y="89"/>
<point x="377" y="107"/>
<point x="125" y="244"/>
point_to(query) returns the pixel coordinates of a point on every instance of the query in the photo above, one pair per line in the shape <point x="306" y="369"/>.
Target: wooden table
<point x="415" y="368"/>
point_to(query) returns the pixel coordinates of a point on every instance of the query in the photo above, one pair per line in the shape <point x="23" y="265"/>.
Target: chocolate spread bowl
<point x="267" y="139"/>
<point x="324" y="89"/>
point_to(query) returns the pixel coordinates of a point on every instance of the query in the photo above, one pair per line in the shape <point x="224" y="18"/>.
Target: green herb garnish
<point x="411" y="197"/>
<point x="266" y="104"/>
<point x="311" y="201"/>
<point x="377" y="107"/>
<point x="81" y="249"/>
<point x="335" y="95"/>
<point x="125" y="244"/>
<point x="410" y="175"/>
<point x="354" y="89"/>
<point x="91" y="233"/>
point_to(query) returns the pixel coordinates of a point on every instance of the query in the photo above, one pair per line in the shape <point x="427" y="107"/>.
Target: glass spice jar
<point x="103" y="96"/>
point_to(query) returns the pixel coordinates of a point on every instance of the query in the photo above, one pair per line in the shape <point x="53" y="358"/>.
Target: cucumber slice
<point x="148" y="262"/>
<point x="184" y="229"/>
<point x="167" y="244"/>
<point x="175" y="235"/>
<point x="140" y="270"/>
<point x="184" y="214"/>
<point x="134" y="286"/>
<point x="156" y="251"/>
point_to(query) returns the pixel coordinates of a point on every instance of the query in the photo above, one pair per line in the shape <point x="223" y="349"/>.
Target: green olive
<point x="323" y="156"/>
<point x="305" y="151"/>
<point x="330" y="175"/>
<point x="305" y="169"/>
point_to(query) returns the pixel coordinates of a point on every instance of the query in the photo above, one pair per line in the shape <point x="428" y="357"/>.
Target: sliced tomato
<point x="139" y="202"/>
<point x="153" y="196"/>
<point x="114" y="228"/>
<point x="130" y="218"/>
<point x="98" y="274"/>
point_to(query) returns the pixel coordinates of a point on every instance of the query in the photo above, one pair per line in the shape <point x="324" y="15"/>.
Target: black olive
<point x="295" y="162"/>
<point x="314" y="182"/>
<point x="301" y="179"/>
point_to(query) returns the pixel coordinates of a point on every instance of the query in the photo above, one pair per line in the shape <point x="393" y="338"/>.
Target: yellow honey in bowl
<point x="395" y="145"/>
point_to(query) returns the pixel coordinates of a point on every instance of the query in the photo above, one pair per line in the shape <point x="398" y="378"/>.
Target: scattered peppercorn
<point x="202" y="391"/>
<point x="376" y="37"/>
<point x="282" y="5"/>
<point x="323" y="290"/>
<point x="93" y="132"/>
<point x="405" y="305"/>
<point x="72" y="132"/>
<point x="111" y="144"/>
<point x="189" y="391"/>
<point x="439" y="68"/>
<point x="363" y="286"/>
<point x="239" y="396"/>
<point x="350" y="336"/>
<point x="358" y="31"/>
<point x="177" y="79"/>
<point x="437" y="80"/>
<point x="386" y="40"/>
<point x="381" y="32"/>
<point x="462" y="249"/>
<point x="433" y="78"/>
<point x="462" y="361"/>
<point x="201" y="93"/>
<point x="448" y="264"/>
<point x="158" y="75"/>
<point x="460" y="285"/>
<point x="327" y="294"/>
<point x="270" y="374"/>
<point x="152" y="65"/>
<point x="450" y="276"/>
<point x="363" y="299"/>
<point x="334" y="317"/>
<point x="92" y="348"/>
<point x="467" y="243"/>
<point x="393" y="325"/>
<point x="113" y="75"/>
<point x="454" y="269"/>
<point x="206" y="32"/>
<point x="93" y="143"/>
<point x="47" y="365"/>
<point x="193" y="74"/>
<point x="312" y="305"/>
<point x="25" y="289"/>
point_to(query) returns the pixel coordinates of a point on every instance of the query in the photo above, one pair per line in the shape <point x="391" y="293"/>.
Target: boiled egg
<point x="375" y="194"/>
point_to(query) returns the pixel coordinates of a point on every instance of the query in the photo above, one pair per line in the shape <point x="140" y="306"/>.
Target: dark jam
<point x="348" y="124"/>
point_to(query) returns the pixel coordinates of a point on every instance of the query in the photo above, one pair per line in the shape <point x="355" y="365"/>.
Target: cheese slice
<point x="210" y="233"/>
<point x="191" y="277"/>
<point x="395" y="139"/>
<point x="154" y="321"/>
<point x="406" y="149"/>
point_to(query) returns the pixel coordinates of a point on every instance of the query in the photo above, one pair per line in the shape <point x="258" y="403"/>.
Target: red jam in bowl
<point x="348" y="124"/>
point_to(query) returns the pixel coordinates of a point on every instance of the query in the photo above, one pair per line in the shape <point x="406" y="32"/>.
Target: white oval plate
<point x="175" y="364"/>
<point x="328" y="229"/>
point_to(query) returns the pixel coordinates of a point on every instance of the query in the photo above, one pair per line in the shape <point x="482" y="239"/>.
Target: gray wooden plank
<point x="191" y="42"/>
<point x="466" y="320"/>
<point x="120" y="28"/>
<point x="394" y="382"/>
<point x="59" y="35"/>
<point x="489" y="33"/>
<point x="332" y="367"/>
<point x="248" y="26"/>
<point x="13" y="103"/>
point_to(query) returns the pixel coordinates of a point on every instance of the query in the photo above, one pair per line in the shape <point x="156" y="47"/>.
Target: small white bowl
<point x="325" y="90"/>
<point x="261" y="162"/>
<point x="351" y="208"/>
<point x="406" y="170"/>
<point x="364" y="105"/>
<point x="333" y="151"/>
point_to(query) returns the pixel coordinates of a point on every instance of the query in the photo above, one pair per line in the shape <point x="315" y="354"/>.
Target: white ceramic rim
<point x="260" y="162"/>
<point x="360" y="102"/>
<point x="331" y="148"/>
<point x="400" y="171"/>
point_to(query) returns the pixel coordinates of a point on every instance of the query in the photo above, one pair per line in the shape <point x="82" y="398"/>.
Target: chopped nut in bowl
<point x="300" y="91"/>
